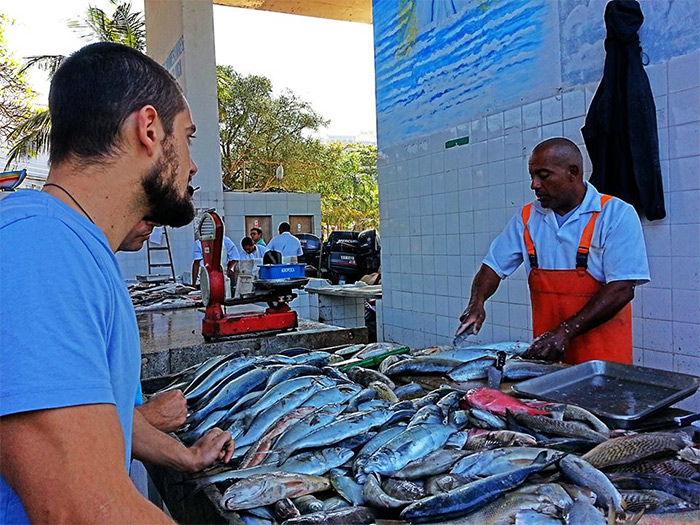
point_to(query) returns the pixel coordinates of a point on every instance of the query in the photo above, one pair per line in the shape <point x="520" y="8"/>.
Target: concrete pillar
<point x="180" y="35"/>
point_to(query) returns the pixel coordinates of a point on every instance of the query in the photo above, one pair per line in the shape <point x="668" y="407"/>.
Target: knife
<point x="495" y="372"/>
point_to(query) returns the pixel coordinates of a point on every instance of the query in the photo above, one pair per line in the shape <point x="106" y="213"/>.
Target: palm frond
<point x="30" y="138"/>
<point x="48" y="63"/>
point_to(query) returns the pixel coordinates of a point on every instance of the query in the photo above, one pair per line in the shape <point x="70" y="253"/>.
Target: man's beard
<point x="164" y="204"/>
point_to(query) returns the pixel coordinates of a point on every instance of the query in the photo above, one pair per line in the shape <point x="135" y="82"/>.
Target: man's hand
<point x="214" y="446"/>
<point x="550" y="346"/>
<point x="166" y="411"/>
<point x="472" y="318"/>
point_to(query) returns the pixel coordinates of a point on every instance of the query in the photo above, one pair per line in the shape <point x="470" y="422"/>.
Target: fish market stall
<point x="379" y="433"/>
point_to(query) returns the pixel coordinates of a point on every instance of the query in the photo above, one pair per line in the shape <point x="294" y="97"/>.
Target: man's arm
<point x="67" y="466"/>
<point x="609" y="300"/>
<point x="484" y="285"/>
<point x="195" y="271"/>
<point x="150" y="445"/>
<point x="166" y="411"/>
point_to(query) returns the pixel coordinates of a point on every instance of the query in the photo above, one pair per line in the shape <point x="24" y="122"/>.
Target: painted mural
<point x="442" y="62"/>
<point x="670" y="29"/>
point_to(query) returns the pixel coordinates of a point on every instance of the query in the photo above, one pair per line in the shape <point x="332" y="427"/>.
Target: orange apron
<point x="557" y="295"/>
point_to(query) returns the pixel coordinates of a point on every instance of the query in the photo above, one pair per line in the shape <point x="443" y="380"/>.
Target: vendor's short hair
<point x="247" y="241"/>
<point x="95" y="90"/>
<point x="284" y="227"/>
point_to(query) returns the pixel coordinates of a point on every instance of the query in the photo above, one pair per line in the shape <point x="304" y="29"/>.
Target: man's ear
<point x="148" y="129"/>
<point x="574" y="170"/>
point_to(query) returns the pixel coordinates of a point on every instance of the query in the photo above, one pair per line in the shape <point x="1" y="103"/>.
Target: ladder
<point x="150" y="247"/>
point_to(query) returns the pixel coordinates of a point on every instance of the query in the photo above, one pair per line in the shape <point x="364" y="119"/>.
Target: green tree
<point x="28" y="133"/>
<point x="260" y="131"/>
<point x="346" y="179"/>
<point x="15" y="94"/>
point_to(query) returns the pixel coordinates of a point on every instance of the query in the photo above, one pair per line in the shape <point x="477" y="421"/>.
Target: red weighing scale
<point x="278" y="316"/>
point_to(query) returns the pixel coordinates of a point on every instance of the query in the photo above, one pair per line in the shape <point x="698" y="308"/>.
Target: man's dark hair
<point x="246" y="241"/>
<point x="257" y="230"/>
<point x="93" y="93"/>
<point x="284" y="227"/>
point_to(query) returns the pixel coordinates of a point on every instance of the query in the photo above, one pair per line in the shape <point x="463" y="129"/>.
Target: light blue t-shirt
<point x="287" y="244"/>
<point x="68" y="334"/>
<point x="617" y="252"/>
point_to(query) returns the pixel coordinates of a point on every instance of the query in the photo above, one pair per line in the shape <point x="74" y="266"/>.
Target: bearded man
<point x="70" y="353"/>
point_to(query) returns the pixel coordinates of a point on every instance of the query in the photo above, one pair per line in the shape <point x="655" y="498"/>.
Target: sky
<point x="328" y="63"/>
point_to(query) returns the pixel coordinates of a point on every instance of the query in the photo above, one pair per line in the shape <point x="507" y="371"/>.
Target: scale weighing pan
<point x="621" y="395"/>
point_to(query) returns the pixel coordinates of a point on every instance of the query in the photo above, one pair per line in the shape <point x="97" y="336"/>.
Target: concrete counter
<point x="172" y="339"/>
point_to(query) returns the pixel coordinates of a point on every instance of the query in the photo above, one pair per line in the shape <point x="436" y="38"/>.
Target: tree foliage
<point x="346" y="178"/>
<point x="124" y="26"/>
<point x="15" y="94"/>
<point x="260" y="131"/>
<point x="28" y="132"/>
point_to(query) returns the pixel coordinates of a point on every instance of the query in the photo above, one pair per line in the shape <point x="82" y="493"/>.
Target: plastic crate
<point x="282" y="271"/>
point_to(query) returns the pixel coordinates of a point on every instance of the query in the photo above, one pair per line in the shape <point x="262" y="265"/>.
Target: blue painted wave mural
<point x="443" y="62"/>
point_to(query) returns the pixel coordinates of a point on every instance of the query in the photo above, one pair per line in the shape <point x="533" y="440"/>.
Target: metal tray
<point x="619" y="394"/>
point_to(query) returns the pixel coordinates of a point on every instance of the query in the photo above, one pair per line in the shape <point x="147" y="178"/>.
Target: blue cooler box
<point x="282" y="271"/>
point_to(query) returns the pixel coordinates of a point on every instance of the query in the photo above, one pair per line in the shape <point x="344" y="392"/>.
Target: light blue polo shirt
<point x="617" y="252"/>
<point x="287" y="244"/>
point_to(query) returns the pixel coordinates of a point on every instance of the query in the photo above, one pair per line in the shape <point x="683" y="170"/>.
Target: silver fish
<point x="414" y="443"/>
<point x="470" y="497"/>
<point x="266" y="489"/>
<point x="346" y="487"/>
<point x="435" y="463"/>
<point x="376" y="497"/>
<point x="584" y="474"/>
<point x="315" y="420"/>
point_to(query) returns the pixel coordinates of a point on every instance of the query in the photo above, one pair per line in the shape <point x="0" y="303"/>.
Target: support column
<point x="180" y="35"/>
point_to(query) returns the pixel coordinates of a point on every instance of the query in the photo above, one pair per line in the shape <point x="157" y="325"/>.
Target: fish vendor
<point x="584" y="254"/>
<point x="119" y="151"/>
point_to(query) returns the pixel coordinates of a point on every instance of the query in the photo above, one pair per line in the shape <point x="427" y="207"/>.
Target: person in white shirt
<point x="251" y="250"/>
<point x="285" y="242"/>
<point x="232" y="256"/>
<point x="584" y="254"/>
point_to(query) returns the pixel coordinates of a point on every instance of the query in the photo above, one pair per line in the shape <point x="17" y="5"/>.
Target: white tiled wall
<point x="235" y="206"/>
<point x="440" y="208"/>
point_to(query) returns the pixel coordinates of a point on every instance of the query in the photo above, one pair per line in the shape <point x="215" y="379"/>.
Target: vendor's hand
<point x="166" y="411"/>
<point x="214" y="446"/>
<point x="550" y="346"/>
<point x="472" y="318"/>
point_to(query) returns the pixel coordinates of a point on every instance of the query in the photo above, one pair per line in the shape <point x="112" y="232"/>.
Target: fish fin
<point x="612" y="515"/>
<point x="634" y="518"/>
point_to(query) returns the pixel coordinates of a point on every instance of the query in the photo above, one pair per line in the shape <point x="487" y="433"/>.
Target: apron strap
<point x="528" y="239"/>
<point x="587" y="236"/>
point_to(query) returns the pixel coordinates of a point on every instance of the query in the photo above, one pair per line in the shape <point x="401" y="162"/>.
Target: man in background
<point x="257" y="235"/>
<point x="251" y="250"/>
<point x="285" y="242"/>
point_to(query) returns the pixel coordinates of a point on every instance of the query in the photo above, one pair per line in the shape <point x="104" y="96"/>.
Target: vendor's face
<point x="554" y="185"/>
<point x="250" y="248"/>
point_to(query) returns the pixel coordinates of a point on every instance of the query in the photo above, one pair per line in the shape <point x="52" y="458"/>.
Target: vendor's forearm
<point x="603" y="306"/>
<point x="150" y="445"/>
<point x="485" y="284"/>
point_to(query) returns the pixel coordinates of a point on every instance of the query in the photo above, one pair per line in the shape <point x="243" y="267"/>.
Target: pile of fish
<point x="168" y="296"/>
<point x="318" y="445"/>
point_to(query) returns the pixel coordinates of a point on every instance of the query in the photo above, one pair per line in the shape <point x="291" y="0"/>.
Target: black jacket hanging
<point x="620" y="130"/>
